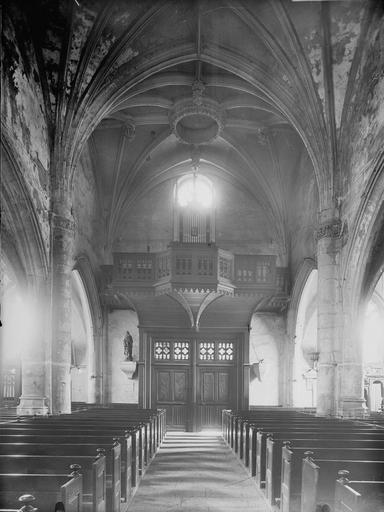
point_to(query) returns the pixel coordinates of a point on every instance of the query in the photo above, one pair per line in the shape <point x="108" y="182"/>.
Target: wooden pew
<point x="240" y="425"/>
<point x="358" y="496"/>
<point x="142" y="448"/>
<point x="318" y="479"/>
<point x="28" y="504"/>
<point x="49" y="490"/>
<point x="107" y="425"/>
<point x="268" y="446"/>
<point x="113" y="453"/>
<point x="132" y="442"/>
<point x="93" y="470"/>
<point x="290" y="498"/>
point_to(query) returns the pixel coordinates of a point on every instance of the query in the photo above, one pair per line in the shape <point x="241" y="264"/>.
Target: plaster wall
<point x="24" y="124"/>
<point x="79" y="384"/>
<point x="121" y="389"/>
<point x="303" y="207"/>
<point x="87" y="212"/>
<point x="267" y="338"/>
<point x="241" y="224"/>
<point x="363" y="133"/>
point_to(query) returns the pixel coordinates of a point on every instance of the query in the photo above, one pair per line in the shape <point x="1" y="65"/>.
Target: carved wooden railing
<point x="196" y="266"/>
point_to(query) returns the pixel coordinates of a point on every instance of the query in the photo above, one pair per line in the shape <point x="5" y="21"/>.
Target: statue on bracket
<point x="128" y="345"/>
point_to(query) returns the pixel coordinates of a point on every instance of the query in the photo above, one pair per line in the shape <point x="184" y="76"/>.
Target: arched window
<point x="194" y="210"/>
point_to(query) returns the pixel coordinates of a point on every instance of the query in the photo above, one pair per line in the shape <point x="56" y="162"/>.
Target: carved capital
<point x="331" y="229"/>
<point x="129" y="131"/>
<point x="63" y="223"/>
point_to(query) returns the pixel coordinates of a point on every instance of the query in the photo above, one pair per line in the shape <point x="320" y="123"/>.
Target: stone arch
<point x="363" y="265"/>
<point x="20" y="225"/>
<point x="114" y="92"/>
<point x="364" y="259"/>
<point x="305" y="351"/>
<point x="24" y="244"/>
<point x="303" y="273"/>
<point x="86" y="303"/>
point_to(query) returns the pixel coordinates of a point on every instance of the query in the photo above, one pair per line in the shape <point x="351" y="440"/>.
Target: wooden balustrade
<point x="202" y="266"/>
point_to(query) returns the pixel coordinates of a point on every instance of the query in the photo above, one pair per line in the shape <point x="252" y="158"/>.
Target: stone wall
<point x="241" y="224"/>
<point x="267" y="339"/>
<point x="303" y="207"/>
<point x="87" y="212"/>
<point x="120" y="388"/>
<point x="24" y="122"/>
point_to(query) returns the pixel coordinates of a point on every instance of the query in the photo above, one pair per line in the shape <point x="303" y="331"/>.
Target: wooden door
<point x="171" y="390"/>
<point x="194" y="380"/>
<point x="214" y="394"/>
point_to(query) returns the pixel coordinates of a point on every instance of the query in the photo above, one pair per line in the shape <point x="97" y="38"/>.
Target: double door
<point x="194" y="380"/>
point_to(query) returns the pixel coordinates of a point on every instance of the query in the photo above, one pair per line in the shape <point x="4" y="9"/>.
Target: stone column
<point x="329" y="311"/>
<point x="33" y="367"/>
<point x="62" y="227"/>
<point x="351" y="401"/>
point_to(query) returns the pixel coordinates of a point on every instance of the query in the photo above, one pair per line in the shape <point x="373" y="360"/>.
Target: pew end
<point x="358" y="495"/>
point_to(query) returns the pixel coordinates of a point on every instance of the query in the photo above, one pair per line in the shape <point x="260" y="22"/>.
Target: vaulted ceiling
<point x="112" y="72"/>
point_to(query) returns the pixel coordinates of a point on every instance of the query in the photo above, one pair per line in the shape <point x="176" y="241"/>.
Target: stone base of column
<point x="32" y="405"/>
<point x="351" y="407"/>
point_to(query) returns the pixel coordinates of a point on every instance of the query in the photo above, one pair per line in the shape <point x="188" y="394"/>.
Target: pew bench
<point x="27" y="503"/>
<point x="49" y="490"/>
<point x="318" y="479"/>
<point x="269" y="446"/>
<point x="113" y="459"/>
<point x="359" y="496"/>
<point x="92" y="469"/>
<point x="291" y="471"/>
<point x="109" y="428"/>
<point x="133" y="450"/>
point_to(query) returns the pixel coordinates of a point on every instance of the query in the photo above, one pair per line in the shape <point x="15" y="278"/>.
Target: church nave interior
<point x="192" y="198"/>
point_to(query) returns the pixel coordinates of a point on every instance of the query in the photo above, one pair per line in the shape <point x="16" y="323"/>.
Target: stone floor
<point x="196" y="472"/>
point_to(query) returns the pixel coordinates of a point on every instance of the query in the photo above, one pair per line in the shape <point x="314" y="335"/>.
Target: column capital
<point x="331" y="228"/>
<point x="66" y="223"/>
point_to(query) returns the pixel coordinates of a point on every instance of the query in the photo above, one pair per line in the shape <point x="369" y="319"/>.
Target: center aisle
<point x="196" y="472"/>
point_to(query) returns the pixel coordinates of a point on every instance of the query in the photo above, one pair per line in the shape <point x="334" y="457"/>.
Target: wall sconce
<point x="315" y="359"/>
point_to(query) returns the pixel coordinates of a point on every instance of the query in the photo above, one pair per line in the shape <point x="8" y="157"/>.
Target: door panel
<point x="208" y="387"/>
<point x="163" y="387"/>
<point x="171" y="393"/>
<point x="193" y="380"/>
<point x="223" y="390"/>
<point x="180" y="386"/>
<point x="214" y="394"/>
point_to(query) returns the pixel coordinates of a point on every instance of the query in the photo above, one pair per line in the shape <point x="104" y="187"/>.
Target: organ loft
<point x="192" y="255"/>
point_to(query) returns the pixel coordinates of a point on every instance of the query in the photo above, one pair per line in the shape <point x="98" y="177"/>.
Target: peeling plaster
<point x="345" y="35"/>
<point x="364" y="134"/>
<point x="316" y="63"/>
<point x="22" y="111"/>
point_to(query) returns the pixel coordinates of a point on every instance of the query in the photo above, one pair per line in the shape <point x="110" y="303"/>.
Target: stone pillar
<point x="351" y="403"/>
<point x="244" y="350"/>
<point x="62" y="227"/>
<point x="33" y="368"/>
<point x="329" y="311"/>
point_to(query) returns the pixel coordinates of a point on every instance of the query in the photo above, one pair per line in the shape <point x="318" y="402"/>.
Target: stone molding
<point x="194" y="107"/>
<point x="61" y="222"/>
<point x="330" y="229"/>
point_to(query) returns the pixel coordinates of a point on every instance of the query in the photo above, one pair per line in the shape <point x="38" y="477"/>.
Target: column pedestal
<point x="33" y="366"/>
<point x="351" y="402"/>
